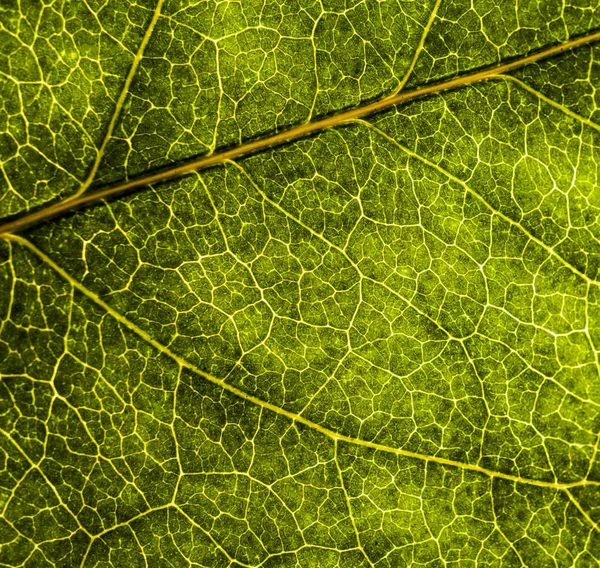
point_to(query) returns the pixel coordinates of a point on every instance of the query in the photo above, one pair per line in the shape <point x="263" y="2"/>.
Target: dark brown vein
<point x="122" y="188"/>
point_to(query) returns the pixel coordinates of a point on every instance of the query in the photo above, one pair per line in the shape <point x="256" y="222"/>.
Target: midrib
<point x="87" y="199"/>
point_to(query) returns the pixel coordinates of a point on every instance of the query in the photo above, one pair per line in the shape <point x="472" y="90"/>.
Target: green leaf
<point x="342" y="307"/>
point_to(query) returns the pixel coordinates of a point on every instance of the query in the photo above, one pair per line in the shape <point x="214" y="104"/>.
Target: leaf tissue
<point x="300" y="283"/>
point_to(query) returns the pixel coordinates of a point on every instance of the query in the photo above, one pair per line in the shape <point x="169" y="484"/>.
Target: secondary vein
<point x="119" y="104"/>
<point x="332" y="434"/>
<point x="550" y="250"/>
<point x="415" y="58"/>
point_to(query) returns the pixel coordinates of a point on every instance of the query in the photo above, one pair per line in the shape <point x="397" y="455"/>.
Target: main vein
<point x="127" y="186"/>
<point x="297" y="418"/>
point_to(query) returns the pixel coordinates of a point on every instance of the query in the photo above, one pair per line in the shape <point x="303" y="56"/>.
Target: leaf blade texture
<point x="375" y="345"/>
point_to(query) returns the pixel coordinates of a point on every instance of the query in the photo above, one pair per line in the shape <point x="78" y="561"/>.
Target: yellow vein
<point x="418" y="51"/>
<point x="511" y="545"/>
<point x="341" y="251"/>
<point x="550" y="101"/>
<point x="347" y="497"/>
<point x="208" y="533"/>
<point x="119" y="104"/>
<point x="37" y="468"/>
<point x="269" y="406"/>
<point x="583" y="511"/>
<point x="395" y="293"/>
<point x="481" y="199"/>
<point x="167" y="507"/>
<point x="285" y="136"/>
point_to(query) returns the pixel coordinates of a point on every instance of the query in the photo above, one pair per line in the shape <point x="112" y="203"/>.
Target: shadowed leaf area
<point x="373" y="346"/>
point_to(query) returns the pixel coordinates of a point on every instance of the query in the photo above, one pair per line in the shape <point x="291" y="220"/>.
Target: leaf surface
<point x="373" y="345"/>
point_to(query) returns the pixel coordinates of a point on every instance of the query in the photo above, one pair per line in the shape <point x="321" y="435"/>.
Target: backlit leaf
<point x="374" y="342"/>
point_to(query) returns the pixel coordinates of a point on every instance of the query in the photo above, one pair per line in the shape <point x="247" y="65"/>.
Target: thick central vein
<point x="87" y="199"/>
<point x="297" y="418"/>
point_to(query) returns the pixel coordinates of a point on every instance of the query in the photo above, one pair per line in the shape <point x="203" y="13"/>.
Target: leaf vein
<point x="333" y="435"/>
<point x="62" y="207"/>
